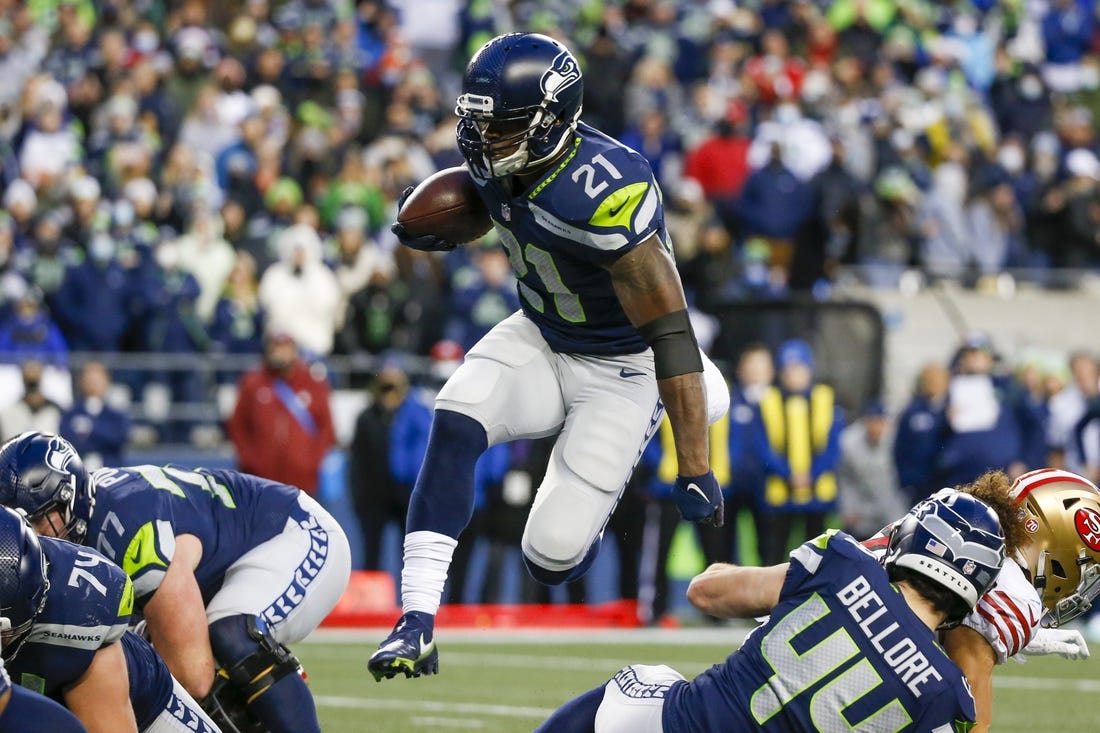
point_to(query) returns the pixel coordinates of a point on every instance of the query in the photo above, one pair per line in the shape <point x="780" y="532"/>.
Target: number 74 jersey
<point x="599" y="202"/>
<point x="842" y="651"/>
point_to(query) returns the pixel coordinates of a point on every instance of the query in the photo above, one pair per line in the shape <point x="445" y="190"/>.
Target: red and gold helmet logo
<point x="1087" y="522"/>
<point x="1031" y="525"/>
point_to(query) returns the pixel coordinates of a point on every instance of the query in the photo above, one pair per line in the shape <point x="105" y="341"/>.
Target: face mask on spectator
<point x="101" y="248"/>
<point x="1031" y="87"/>
<point x="145" y="42"/>
<point x="1011" y="158"/>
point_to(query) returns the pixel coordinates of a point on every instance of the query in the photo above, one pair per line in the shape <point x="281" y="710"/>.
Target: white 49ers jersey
<point x="1008" y="615"/>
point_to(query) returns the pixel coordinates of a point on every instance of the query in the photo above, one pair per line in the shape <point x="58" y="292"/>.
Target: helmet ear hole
<point x="1057" y="570"/>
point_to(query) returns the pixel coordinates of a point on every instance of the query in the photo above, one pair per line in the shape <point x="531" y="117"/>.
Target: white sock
<point x="427" y="558"/>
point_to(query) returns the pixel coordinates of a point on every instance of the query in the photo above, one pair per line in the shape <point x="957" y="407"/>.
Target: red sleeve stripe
<point x="1008" y="621"/>
<point x="996" y="623"/>
<point x="876" y="543"/>
<point x="1027" y="628"/>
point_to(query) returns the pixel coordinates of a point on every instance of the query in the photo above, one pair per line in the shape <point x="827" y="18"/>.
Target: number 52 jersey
<point x="841" y="652"/>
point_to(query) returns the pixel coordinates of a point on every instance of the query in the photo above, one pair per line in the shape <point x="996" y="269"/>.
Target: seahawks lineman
<point x="227" y="568"/>
<point x="600" y="349"/>
<point x="850" y="643"/>
<point x="69" y="608"/>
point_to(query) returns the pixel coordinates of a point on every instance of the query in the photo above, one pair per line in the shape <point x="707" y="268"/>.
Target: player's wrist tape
<point x="675" y="350"/>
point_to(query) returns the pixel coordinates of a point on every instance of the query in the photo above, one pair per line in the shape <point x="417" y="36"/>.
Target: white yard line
<point x="730" y="636"/>
<point x="437" y="722"/>
<point x="427" y="706"/>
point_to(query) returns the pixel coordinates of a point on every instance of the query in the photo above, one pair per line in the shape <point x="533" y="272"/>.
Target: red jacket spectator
<point x="720" y="163"/>
<point x="282" y="426"/>
<point x="775" y="74"/>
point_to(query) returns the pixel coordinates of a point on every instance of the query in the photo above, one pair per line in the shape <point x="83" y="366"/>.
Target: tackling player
<point x="68" y="608"/>
<point x="225" y="566"/>
<point x="601" y="348"/>
<point x="1054" y="579"/>
<point x="850" y="643"/>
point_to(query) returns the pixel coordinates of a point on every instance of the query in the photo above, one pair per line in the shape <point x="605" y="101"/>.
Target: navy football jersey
<point x="598" y="203"/>
<point x="841" y="652"/>
<point x="139" y="511"/>
<point x="88" y="606"/>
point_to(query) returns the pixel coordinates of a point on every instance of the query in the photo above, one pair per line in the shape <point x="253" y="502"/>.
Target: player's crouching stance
<point x="271" y="562"/>
<point x="850" y="643"/>
<point x="68" y="609"/>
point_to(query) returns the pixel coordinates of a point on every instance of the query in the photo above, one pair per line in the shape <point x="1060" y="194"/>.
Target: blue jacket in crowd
<point x="94" y="427"/>
<point x="94" y="306"/>
<point x="921" y="431"/>
<point x="774" y="202"/>
<point x="36" y="337"/>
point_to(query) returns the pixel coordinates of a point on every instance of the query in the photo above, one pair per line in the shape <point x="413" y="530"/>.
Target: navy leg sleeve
<point x="443" y="498"/>
<point x="576" y="716"/>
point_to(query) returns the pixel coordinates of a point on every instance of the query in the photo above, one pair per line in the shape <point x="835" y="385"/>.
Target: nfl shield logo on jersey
<point x="969" y="567"/>
<point x="506" y="212"/>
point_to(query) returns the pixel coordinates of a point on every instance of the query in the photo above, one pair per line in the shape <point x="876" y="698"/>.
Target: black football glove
<point x="699" y="499"/>
<point x="426" y="243"/>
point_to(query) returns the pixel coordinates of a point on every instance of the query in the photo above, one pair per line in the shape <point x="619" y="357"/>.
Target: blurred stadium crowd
<point x="183" y="178"/>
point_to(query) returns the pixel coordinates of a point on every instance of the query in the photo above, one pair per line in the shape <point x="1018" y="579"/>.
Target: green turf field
<point x="496" y="685"/>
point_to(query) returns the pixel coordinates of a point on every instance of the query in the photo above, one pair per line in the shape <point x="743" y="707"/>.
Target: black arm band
<point x="675" y="350"/>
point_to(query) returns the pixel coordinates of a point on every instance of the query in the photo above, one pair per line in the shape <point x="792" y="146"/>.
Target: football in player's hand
<point x="447" y="206"/>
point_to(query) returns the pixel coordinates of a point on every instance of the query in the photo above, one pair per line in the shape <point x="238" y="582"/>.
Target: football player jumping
<point x="68" y="608"/>
<point x="850" y="643"/>
<point x="227" y="568"/>
<point x="600" y="349"/>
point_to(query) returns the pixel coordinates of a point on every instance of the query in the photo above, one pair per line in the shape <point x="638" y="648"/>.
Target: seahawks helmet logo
<point x="563" y="73"/>
<point x="59" y="456"/>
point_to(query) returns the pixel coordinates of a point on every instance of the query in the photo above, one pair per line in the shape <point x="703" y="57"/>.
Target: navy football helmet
<point x="23" y="583"/>
<point x="954" y="540"/>
<point x="520" y="101"/>
<point x="40" y="473"/>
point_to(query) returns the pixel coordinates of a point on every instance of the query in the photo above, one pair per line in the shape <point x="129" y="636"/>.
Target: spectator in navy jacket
<point x="238" y="319"/>
<point x="172" y="326"/>
<point x="984" y="431"/>
<point x="30" y="333"/>
<point x="95" y="428"/>
<point x="920" y="433"/>
<point x="775" y="204"/>
<point x="94" y="303"/>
